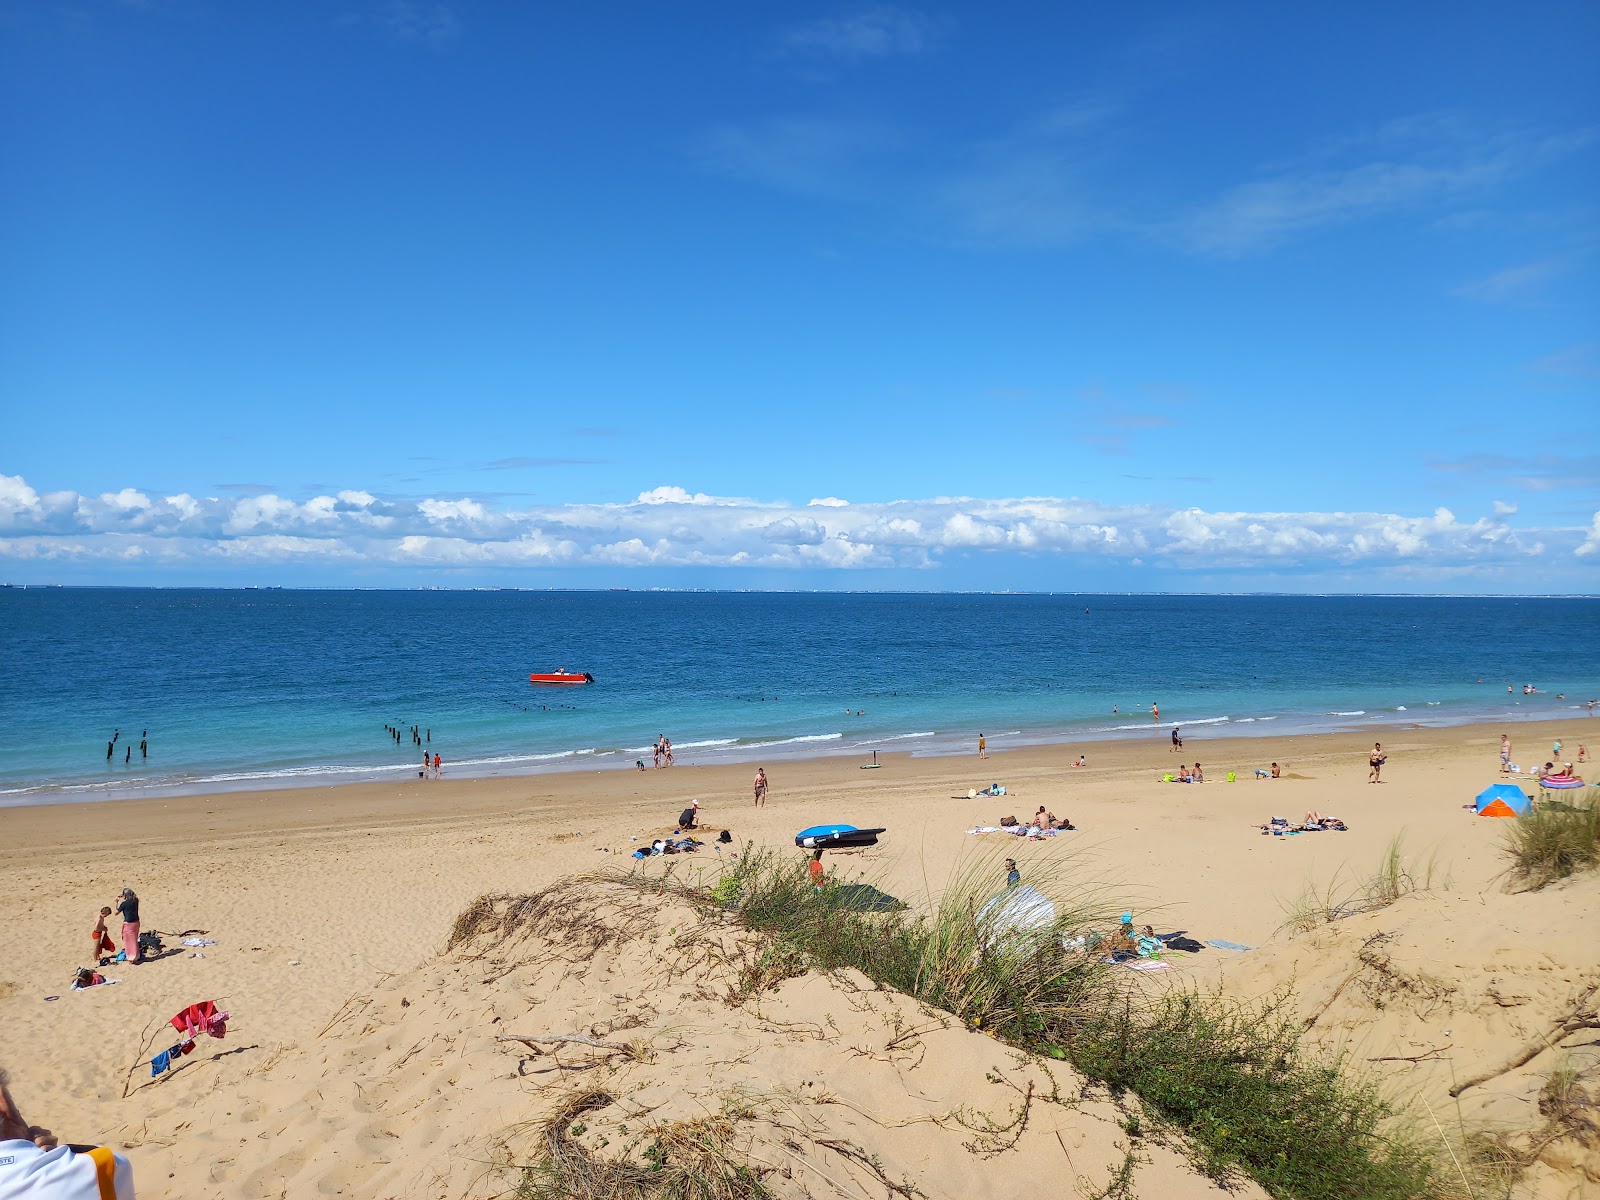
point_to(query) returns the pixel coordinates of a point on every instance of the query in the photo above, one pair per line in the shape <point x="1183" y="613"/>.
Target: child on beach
<point x="101" y="939"/>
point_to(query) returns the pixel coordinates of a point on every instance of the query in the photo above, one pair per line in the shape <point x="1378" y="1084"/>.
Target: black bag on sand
<point x="150" y="943"/>
<point x="725" y="837"/>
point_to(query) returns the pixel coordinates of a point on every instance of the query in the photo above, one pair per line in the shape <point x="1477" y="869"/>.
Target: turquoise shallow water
<point x="256" y="688"/>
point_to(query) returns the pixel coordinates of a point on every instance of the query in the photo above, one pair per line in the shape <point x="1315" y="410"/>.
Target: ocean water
<point x="258" y="688"/>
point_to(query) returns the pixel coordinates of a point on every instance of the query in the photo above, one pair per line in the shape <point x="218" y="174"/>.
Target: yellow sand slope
<point x="698" y="1053"/>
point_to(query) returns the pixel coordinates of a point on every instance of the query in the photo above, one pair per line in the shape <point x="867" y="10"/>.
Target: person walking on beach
<point x="1505" y="752"/>
<point x="1177" y="742"/>
<point x="128" y="908"/>
<point x="761" y="787"/>
<point x="438" y="767"/>
<point x="1375" y="762"/>
<point x="100" y="937"/>
<point x="1013" y="876"/>
<point x="983" y="746"/>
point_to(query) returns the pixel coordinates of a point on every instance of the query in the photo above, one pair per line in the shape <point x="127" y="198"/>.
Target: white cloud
<point x="1591" y="543"/>
<point x="1504" y="508"/>
<point x="671" y="526"/>
<point x="874" y="32"/>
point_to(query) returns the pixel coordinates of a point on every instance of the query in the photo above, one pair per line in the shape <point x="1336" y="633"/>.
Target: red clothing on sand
<point x="201" y="1018"/>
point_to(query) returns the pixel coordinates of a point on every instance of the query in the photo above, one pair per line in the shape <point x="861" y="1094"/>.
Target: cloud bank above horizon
<point x="669" y="527"/>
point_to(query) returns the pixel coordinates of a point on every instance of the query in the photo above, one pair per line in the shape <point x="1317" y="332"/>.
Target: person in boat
<point x="688" y="817"/>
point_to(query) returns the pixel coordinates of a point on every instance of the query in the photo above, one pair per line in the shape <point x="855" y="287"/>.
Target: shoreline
<point x="457" y="800"/>
<point x="800" y="748"/>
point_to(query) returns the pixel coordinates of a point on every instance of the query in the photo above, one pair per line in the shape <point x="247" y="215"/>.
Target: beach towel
<point x="1148" y="964"/>
<point x="1219" y="944"/>
<point x="160" y="1063"/>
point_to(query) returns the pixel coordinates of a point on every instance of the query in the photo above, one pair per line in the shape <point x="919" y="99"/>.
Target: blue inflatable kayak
<point x="831" y="837"/>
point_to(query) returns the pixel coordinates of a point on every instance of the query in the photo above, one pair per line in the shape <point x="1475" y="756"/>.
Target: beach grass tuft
<point x="1552" y="840"/>
<point x="1394" y="876"/>
<point x="679" y="1160"/>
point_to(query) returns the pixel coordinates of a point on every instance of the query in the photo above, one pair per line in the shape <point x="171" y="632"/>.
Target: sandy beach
<point x="323" y="897"/>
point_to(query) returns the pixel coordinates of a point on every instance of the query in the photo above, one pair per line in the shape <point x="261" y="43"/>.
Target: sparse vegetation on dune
<point x="1554" y="839"/>
<point x="1394" y="876"/>
<point x="1233" y="1077"/>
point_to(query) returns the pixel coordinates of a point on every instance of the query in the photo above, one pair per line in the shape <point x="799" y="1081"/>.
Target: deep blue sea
<point x="256" y="688"/>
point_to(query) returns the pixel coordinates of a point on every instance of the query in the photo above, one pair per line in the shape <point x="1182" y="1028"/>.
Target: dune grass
<point x="1554" y="839"/>
<point x="1232" y="1076"/>
<point x="1394" y="876"/>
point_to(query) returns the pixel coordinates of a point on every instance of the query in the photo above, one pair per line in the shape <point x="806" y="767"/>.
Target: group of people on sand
<point x="1185" y="775"/>
<point x="1043" y="819"/>
<point x="1315" y="822"/>
<point x="128" y="908"/>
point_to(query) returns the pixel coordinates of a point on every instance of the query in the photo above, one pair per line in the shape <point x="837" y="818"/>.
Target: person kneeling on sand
<point x="687" y="818"/>
<point x="34" y="1163"/>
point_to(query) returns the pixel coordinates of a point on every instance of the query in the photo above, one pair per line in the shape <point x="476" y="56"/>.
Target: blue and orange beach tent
<point x="1503" y="800"/>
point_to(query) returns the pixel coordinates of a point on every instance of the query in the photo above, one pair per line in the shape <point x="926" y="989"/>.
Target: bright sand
<point x="317" y="896"/>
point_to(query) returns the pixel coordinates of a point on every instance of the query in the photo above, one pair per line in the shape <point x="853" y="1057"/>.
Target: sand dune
<point x="1467" y="1004"/>
<point x="819" y="1085"/>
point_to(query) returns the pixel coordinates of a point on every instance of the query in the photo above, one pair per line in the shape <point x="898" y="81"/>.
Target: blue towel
<point x="160" y="1062"/>
<point x="1222" y="945"/>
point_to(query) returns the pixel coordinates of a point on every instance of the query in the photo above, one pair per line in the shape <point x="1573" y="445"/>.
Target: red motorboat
<point x="562" y="678"/>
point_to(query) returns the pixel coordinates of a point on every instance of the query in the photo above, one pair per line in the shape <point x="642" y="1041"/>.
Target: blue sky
<point x="1049" y="296"/>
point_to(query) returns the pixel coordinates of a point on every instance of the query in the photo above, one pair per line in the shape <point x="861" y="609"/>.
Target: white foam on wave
<point x="897" y="737"/>
<point x="1400" y="708"/>
<point x="1360" y="712"/>
<point x="708" y="742"/>
<point x="810" y="737"/>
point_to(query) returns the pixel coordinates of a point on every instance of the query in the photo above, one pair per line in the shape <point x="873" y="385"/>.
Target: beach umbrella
<point x="1021" y="912"/>
<point x="1501" y="800"/>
